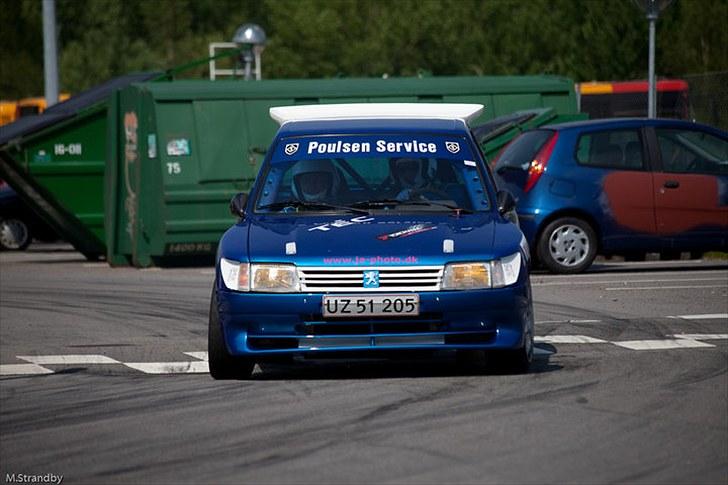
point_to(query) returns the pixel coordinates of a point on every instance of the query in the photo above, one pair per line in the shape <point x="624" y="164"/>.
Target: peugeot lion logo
<point x="291" y="148"/>
<point x="452" y="146"/>
<point x="371" y="279"/>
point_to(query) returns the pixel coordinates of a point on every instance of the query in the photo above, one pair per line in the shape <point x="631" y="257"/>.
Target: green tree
<point x="582" y="39"/>
<point x="21" y="49"/>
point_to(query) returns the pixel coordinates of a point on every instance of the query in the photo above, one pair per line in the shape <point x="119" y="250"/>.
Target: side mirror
<point x="237" y="204"/>
<point x="507" y="206"/>
<point x="506" y="202"/>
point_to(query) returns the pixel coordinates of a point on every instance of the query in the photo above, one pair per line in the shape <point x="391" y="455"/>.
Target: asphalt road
<point x="103" y="382"/>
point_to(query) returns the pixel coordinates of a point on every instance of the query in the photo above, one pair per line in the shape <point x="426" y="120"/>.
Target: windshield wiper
<point x="455" y="208"/>
<point x="376" y="203"/>
<point x="395" y="202"/>
<point x="310" y="205"/>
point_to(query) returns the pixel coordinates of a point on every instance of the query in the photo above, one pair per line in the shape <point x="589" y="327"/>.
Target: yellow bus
<point x="12" y="110"/>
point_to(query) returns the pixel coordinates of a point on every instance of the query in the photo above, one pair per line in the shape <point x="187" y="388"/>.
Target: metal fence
<point x="709" y="98"/>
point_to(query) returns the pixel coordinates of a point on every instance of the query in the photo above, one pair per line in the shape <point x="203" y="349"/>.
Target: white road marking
<point x="707" y="316"/>
<point x="685" y="340"/>
<point x="569" y="339"/>
<point x="22" y="370"/>
<point x="197" y="355"/>
<point x="632" y="288"/>
<point x="605" y="282"/>
<point x="661" y="344"/>
<point x="207" y="271"/>
<point x="702" y="336"/>
<point x="195" y="367"/>
<point x="682" y="273"/>
<point x="652" y="263"/>
<point x="68" y="359"/>
<point x="568" y="321"/>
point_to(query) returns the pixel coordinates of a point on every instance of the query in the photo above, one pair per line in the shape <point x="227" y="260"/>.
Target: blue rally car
<point x="371" y="228"/>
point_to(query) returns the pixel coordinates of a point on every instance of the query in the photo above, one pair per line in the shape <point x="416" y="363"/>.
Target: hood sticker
<point x="371" y="260"/>
<point x="341" y="223"/>
<point x="410" y="231"/>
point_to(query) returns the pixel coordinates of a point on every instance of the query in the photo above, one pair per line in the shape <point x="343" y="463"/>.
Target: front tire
<point x="14" y="234"/>
<point x="567" y="245"/>
<point x="222" y="364"/>
<point x="516" y="361"/>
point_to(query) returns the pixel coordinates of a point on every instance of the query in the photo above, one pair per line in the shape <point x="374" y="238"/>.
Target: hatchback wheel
<point x="14" y="234"/>
<point x="567" y="245"/>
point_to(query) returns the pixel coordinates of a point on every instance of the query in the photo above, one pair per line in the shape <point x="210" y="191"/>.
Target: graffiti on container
<point x="131" y="124"/>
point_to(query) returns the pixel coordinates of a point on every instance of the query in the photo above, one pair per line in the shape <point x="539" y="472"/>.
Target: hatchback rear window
<point x="523" y="149"/>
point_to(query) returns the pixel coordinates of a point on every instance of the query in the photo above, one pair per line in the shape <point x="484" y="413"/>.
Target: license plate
<point x="371" y="305"/>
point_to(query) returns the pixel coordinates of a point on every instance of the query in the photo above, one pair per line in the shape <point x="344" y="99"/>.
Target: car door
<point x="624" y="195"/>
<point x="691" y="187"/>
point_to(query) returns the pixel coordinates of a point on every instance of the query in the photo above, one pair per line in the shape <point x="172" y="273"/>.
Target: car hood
<point x="375" y="240"/>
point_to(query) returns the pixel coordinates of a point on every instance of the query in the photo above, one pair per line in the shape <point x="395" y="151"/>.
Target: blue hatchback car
<point x="371" y="228"/>
<point x="618" y="186"/>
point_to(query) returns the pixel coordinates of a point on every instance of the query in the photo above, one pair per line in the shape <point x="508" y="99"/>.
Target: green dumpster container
<point x="56" y="162"/>
<point x="178" y="151"/>
<point x="497" y="133"/>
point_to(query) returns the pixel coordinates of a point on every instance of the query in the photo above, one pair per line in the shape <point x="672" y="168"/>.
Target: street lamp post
<point x="50" y="52"/>
<point x="251" y="38"/>
<point x="652" y="9"/>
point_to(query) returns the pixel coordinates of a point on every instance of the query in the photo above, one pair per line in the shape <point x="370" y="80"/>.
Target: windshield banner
<point x="371" y="146"/>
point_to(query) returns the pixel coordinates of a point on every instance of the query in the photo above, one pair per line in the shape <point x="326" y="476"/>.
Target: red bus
<point x="629" y="98"/>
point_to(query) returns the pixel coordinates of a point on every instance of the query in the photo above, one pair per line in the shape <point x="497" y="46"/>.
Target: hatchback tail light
<point x="540" y="161"/>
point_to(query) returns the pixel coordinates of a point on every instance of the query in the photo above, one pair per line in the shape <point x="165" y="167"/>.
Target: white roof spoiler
<point x="447" y="111"/>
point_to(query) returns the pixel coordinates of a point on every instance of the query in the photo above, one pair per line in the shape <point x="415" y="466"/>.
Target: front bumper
<point x="273" y="324"/>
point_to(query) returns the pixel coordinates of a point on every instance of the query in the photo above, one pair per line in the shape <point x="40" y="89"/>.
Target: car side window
<point x="692" y="151"/>
<point x="617" y="149"/>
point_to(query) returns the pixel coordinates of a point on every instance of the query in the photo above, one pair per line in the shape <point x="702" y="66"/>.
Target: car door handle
<point x="671" y="184"/>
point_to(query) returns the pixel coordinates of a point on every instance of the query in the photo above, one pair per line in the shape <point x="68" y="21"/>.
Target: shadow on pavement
<point x="438" y="366"/>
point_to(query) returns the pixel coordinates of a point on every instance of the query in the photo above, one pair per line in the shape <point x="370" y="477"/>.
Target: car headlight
<point x="487" y="274"/>
<point x="466" y="276"/>
<point x="279" y="278"/>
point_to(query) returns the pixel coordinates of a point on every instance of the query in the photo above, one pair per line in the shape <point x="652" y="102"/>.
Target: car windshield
<point x="372" y="173"/>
